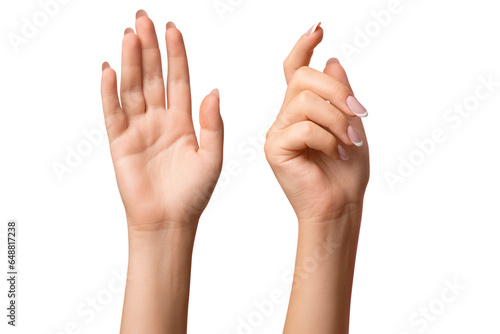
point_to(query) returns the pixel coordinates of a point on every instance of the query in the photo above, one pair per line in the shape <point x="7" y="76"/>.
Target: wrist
<point x="334" y="219"/>
<point x="158" y="236"/>
<point x="338" y="234"/>
<point x="160" y="254"/>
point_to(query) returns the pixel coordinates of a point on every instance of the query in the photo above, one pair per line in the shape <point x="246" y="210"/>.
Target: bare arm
<point x="165" y="178"/>
<point x="317" y="149"/>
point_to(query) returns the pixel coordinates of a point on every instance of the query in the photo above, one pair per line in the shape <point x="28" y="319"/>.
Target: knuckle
<point x="306" y="129"/>
<point x="304" y="97"/>
<point x="301" y="72"/>
<point x="341" y="120"/>
<point x="268" y="135"/>
<point x="298" y="76"/>
<point x="268" y="146"/>
<point x="286" y="63"/>
<point x="340" y="90"/>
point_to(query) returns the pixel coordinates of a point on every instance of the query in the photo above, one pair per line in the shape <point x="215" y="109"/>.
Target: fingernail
<point x="141" y="13"/>
<point x="343" y="153"/>
<point x="105" y="65"/>
<point x="354" y="137"/>
<point x="313" y="29"/>
<point x="332" y="60"/>
<point x="215" y="92"/>
<point x="356" y="107"/>
<point x="128" y="31"/>
<point x="170" y="25"/>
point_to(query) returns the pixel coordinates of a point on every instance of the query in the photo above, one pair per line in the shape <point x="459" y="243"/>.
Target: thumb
<point x="212" y="128"/>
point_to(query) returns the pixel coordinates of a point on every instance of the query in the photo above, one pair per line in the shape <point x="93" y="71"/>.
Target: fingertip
<point x="210" y="110"/>
<point x="212" y="127"/>
<point x="302" y="51"/>
<point x="108" y="81"/>
<point x="354" y="137"/>
<point x="130" y="40"/>
<point x="128" y="31"/>
<point x="334" y="69"/>
<point x="342" y="153"/>
<point x="332" y="60"/>
<point x="171" y="24"/>
<point x="140" y="13"/>
<point x="108" y="74"/>
<point x="313" y="29"/>
<point x="355" y="107"/>
<point x="215" y="92"/>
<point x="172" y="32"/>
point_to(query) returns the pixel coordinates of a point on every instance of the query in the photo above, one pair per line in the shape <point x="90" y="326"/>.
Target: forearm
<point x="324" y="269"/>
<point x="157" y="290"/>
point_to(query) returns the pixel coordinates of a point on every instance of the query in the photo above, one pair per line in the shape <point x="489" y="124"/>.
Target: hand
<point x="165" y="179"/>
<point x="318" y="149"/>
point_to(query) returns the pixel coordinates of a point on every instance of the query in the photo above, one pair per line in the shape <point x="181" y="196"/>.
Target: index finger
<point x="302" y="51"/>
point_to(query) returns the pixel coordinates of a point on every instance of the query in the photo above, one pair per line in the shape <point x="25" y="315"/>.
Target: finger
<point x="302" y="51"/>
<point x="115" y="120"/>
<point x="131" y="81"/>
<point x="309" y="106"/>
<point x="327" y="87"/>
<point x="334" y="69"/>
<point x="212" y="128"/>
<point x="178" y="88"/>
<point x="152" y="75"/>
<point x="291" y="141"/>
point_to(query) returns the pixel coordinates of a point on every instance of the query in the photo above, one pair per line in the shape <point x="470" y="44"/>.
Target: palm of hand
<point x="321" y="188"/>
<point x="160" y="175"/>
<point x="165" y="178"/>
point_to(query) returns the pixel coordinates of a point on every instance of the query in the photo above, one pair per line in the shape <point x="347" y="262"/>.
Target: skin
<point x="164" y="176"/>
<point x="325" y="191"/>
<point x="166" y="179"/>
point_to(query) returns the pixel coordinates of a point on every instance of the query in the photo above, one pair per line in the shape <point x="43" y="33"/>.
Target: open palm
<point x="164" y="176"/>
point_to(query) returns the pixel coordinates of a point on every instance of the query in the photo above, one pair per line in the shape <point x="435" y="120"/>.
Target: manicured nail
<point x="332" y="60"/>
<point x="105" y="65"/>
<point x="356" y="107"/>
<point x="128" y="31"/>
<point x="313" y="29"/>
<point x="140" y="13"/>
<point x="170" y="25"/>
<point x="343" y="153"/>
<point x="354" y="137"/>
<point x="215" y="92"/>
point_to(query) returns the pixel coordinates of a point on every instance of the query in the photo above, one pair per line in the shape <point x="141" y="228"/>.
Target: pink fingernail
<point x="141" y="13"/>
<point x="313" y="29"/>
<point x="332" y="60"/>
<point x="215" y="92"/>
<point x="343" y="153"/>
<point x="354" y="137"/>
<point x="356" y="107"/>
<point x="128" y="31"/>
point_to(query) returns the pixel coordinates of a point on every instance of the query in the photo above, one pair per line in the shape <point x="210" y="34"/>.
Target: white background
<point x="440" y="224"/>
